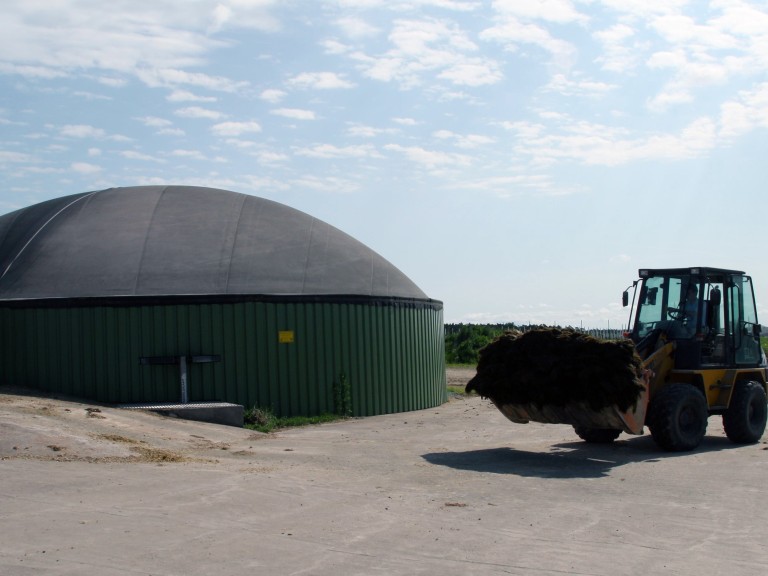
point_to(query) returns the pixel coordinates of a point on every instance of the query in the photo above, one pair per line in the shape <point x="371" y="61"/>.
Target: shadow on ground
<point x="568" y="459"/>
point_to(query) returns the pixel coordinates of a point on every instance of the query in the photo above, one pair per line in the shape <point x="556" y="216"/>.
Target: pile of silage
<point x="558" y="367"/>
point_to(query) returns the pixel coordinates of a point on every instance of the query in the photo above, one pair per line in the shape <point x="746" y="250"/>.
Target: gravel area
<point x="453" y="490"/>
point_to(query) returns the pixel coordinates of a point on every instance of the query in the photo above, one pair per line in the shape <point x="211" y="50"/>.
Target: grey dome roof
<point x="183" y="240"/>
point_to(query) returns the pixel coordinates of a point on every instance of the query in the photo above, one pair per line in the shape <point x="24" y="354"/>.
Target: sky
<point x="519" y="160"/>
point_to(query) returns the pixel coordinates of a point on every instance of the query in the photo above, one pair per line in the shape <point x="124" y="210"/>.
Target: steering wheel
<point x="676" y="313"/>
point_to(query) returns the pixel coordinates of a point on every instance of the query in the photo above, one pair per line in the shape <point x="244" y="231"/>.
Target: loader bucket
<point x="558" y="376"/>
<point x="581" y="414"/>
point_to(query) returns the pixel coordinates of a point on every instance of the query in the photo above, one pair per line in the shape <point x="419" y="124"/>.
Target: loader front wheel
<point x="744" y="421"/>
<point x="678" y="417"/>
<point x="597" y="435"/>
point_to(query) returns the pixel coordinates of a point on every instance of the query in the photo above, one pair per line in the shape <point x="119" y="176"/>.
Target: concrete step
<point x="213" y="412"/>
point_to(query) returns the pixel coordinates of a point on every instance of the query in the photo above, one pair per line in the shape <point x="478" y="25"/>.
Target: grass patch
<point x="460" y="390"/>
<point x="264" y="420"/>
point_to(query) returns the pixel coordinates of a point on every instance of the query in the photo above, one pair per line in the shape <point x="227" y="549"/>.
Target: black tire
<point x="597" y="435"/>
<point x="678" y="417"/>
<point x="744" y="421"/>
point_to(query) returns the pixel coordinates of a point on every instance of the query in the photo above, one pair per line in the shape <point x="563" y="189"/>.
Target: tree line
<point x="463" y="342"/>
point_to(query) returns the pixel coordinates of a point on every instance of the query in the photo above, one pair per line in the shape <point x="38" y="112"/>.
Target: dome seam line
<point x="23" y="248"/>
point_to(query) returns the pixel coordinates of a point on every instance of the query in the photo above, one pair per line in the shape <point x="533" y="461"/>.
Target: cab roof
<point x="692" y="271"/>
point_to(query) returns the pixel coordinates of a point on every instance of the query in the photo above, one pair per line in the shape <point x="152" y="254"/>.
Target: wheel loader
<point x="697" y="336"/>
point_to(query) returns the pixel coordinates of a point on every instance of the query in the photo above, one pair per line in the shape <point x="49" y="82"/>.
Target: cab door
<point x="742" y="329"/>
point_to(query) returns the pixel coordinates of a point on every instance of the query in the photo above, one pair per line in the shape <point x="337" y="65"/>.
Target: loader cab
<point x="709" y="312"/>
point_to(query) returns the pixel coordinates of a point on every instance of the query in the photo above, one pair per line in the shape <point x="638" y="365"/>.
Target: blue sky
<point x="517" y="159"/>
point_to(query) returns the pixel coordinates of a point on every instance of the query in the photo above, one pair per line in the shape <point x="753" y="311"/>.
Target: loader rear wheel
<point x="597" y="435"/>
<point x="744" y="421"/>
<point x="678" y="417"/>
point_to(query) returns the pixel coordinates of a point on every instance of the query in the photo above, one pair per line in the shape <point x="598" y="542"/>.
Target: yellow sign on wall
<point x="285" y="336"/>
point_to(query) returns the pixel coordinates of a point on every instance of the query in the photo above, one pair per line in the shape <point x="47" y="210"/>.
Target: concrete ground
<point x="454" y="490"/>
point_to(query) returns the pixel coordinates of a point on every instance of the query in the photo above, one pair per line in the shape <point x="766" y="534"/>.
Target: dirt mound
<point x="34" y="426"/>
<point x="558" y="367"/>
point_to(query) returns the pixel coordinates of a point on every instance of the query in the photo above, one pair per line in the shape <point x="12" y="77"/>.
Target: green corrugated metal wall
<point x="391" y="355"/>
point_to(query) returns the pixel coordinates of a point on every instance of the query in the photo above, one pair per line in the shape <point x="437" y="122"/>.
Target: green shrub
<point x="342" y="396"/>
<point x="261" y="419"/>
<point x="264" y="420"/>
<point x="463" y="343"/>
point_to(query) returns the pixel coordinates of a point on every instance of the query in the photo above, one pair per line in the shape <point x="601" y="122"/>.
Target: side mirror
<point x="625" y="299"/>
<point x="757" y="330"/>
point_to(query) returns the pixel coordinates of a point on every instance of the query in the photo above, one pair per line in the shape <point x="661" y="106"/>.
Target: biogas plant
<point x="155" y="294"/>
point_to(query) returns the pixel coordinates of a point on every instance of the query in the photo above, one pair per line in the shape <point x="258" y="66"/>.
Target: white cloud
<point x="746" y="112"/>
<point x="152" y="41"/>
<point x="295" y="113"/>
<point x="186" y="96"/>
<point x="457" y="5"/>
<point x="112" y="82"/>
<point x="671" y="59"/>
<point x="171" y="132"/>
<point x="235" y="128"/>
<point x="568" y="87"/>
<point x="599" y="144"/>
<point x="698" y="49"/>
<point x="509" y="186"/>
<point x="560" y="11"/>
<point x="194" y="154"/>
<point x="91" y="95"/>
<point x="270" y="157"/>
<point x="81" y="131"/>
<point x="6" y="122"/>
<point x="425" y="48"/>
<point x="404" y="5"/>
<point x="172" y="77"/>
<point x="272" y="96"/>
<point x="512" y="33"/>
<point x="429" y="158"/>
<point x="14" y="157"/>
<point x="356" y="28"/>
<point x="85" y="168"/>
<point x="474" y="141"/>
<point x="362" y="131"/>
<point x="240" y="143"/>
<point x="119" y="138"/>
<point x="678" y="29"/>
<point x="334" y="47"/>
<point x="330" y="184"/>
<point x="33" y="72"/>
<point x="154" y="121"/>
<point x="742" y="19"/>
<point x="620" y="51"/>
<point x="320" y="81"/>
<point x="134" y="155"/>
<point x="464" y="141"/>
<point x="248" y="14"/>
<point x="673" y="94"/>
<point x="259" y="183"/>
<point x="197" y="112"/>
<point x="687" y="77"/>
<point x="736" y="119"/>
<point x="472" y="72"/>
<point x="332" y="151"/>
<point x="645" y="9"/>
